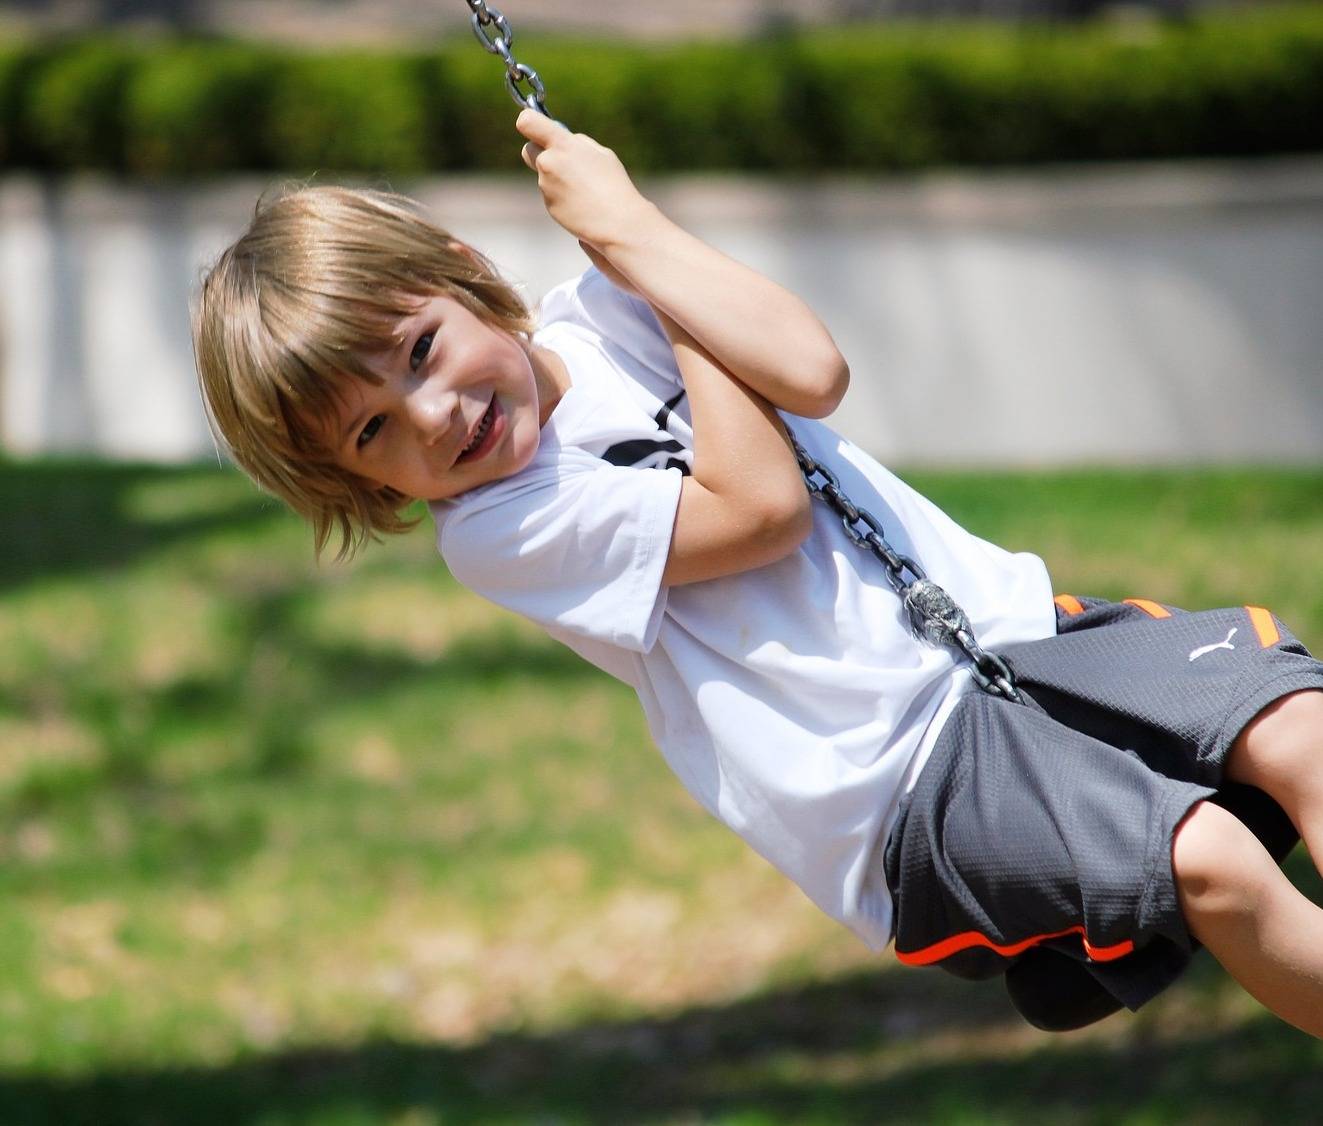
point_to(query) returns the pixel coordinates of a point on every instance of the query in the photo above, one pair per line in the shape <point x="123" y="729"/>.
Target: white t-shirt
<point x="792" y="701"/>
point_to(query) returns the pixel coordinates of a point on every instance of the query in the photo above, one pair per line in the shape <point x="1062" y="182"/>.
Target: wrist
<point x="633" y="230"/>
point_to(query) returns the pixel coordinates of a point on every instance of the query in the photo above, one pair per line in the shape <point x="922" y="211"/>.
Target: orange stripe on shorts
<point x="1264" y="626"/>
<point x="1152" y="609"/>
<point x="1069" y="603"/>
<point x="956" y="943"/>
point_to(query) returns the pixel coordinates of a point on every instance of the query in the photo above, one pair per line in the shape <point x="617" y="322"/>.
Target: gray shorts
<point x="1051" y="824"/>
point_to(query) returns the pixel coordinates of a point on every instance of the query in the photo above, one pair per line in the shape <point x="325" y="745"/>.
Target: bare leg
<point x="1238" y="903"/>
<point x="1234" y="898"/>
<point x="1281" y="752"/>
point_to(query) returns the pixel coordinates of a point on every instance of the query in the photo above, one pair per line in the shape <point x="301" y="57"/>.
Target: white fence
<point x="1147" y="314"/>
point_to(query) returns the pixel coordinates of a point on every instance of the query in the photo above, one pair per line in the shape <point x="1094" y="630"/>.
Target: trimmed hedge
<point x="197" y="109"/>
<point x="844" y="99"/>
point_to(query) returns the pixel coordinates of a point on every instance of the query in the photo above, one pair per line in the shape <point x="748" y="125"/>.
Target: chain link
<point x="934" y="615"/>
<point x="500" y="42"/>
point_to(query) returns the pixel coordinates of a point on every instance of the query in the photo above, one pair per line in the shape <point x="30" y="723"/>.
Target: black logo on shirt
<point x="662" y="452"/>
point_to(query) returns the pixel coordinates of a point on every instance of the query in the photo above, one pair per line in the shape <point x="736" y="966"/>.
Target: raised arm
<point x="745" y="504"/>
<point x="763" y="335"/>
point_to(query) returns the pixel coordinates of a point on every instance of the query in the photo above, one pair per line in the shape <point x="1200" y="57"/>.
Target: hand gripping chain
<point x="934" y="614"/>
<point x="499" y="43"/>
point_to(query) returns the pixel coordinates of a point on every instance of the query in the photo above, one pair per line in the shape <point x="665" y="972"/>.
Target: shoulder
<point x="572" y="543"/>
<point x="567" y="495"/>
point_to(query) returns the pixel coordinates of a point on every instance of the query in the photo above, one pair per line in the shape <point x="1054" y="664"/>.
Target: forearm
<point x="740" y="445"/>
<point x="746" y="504"/>
<point x="762" y="334"/>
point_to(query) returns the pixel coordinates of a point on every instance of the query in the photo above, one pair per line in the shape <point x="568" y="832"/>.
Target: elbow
<point x="838" y="383"/>
<point x="788" y="521"/>
<point x="802" y="526"/>
<point x="826" y="390"/>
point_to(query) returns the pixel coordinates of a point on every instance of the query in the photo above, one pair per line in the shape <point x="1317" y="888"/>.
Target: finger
<point x="537" y="127"/>
<point x="530" y="152"/>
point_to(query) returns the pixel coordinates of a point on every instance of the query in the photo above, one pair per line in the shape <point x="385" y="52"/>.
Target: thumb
<point x="536" y="127"/>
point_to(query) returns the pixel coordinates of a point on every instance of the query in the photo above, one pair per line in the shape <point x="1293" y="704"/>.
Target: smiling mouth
<point x="484" y="428"/>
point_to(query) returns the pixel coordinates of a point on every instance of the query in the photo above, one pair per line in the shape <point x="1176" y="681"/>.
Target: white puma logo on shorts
<point x="1203" y="650"/>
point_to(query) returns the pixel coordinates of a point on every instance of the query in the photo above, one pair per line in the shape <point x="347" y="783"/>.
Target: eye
<point x="420" y="351"/>
<point x="370" y="430"/>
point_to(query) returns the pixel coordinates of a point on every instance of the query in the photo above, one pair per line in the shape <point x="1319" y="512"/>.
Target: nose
<point x="431" y="410"/>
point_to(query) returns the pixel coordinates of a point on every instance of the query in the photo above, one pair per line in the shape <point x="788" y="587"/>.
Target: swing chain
<point x="934" y="614"/>
<point x="500" y="43"/>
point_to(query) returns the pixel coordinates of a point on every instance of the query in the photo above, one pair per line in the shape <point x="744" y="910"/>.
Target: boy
<point x="624" y="477"/>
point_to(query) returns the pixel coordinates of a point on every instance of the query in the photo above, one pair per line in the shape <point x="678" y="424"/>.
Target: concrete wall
<point x="411" y="21"/>
<point x="1154" y="314"/>
<point x="356" y="22"/>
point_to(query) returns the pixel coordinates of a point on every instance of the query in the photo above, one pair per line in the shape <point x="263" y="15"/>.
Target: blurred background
<point x="288" y="841"/>
<point x="1116" y="207"/>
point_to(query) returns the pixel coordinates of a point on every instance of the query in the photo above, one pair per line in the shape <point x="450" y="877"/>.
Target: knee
<point x="1220" y="868"/>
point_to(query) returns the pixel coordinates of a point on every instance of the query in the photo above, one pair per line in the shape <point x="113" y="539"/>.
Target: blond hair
<point x="321" y="279"/>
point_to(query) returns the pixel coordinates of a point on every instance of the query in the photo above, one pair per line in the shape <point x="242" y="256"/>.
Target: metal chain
<point x="500" y="43"/>
<point x="934" y="615"/>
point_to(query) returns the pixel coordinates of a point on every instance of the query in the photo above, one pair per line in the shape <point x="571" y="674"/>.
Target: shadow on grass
<point x="194" y="824"/>
<point x="340" y="672"/>
<point x="847" y="1051"/>
<point x="64" y="517"/>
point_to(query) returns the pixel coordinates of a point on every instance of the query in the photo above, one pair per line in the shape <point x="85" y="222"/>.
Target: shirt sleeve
<point x="576" y="543"/>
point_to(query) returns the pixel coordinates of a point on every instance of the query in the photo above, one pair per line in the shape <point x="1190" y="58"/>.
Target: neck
<point x="551" y="377"/>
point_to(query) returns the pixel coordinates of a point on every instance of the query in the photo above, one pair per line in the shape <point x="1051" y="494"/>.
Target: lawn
<point x="288" y="843"/>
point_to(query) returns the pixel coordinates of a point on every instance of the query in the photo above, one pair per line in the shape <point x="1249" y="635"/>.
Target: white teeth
<point x="480" y="433"/>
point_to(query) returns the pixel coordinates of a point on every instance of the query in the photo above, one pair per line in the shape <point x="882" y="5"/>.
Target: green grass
<point x="342" y="845"/>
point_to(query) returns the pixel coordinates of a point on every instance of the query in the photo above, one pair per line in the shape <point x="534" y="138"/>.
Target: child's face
<point x="458" y="407"/>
